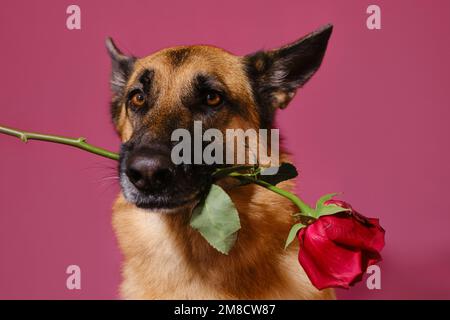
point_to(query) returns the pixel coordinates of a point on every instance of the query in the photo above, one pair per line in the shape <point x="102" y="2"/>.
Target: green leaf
<point x="285" y="172"/>
<point x="324" y="210"/>
<point x="330" y="209"/>
<point x="294" y="230"/>
<point x="217" y="220"/>
<point x="320" y="203"/>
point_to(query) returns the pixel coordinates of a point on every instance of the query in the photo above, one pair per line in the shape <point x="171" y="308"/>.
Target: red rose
<point x="336" y="249"/>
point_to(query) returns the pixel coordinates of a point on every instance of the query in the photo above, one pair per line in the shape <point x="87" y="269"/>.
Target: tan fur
<point x="164" y="258"/>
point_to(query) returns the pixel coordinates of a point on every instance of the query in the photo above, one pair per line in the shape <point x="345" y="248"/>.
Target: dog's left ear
<point x="122" y="66"/>
<point x="277" y="74"/>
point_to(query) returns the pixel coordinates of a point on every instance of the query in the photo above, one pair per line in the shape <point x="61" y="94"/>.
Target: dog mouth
<point x="164" y="203"/>
<point x="151" y="180"/>
<point x="186" y="193"/>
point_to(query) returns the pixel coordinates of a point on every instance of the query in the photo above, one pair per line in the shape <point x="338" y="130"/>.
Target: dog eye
<point x="213" y="99"/>
<point x="138" y="99"/>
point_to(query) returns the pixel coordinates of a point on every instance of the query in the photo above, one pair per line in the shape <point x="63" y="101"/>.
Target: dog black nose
<point x="149" y="171"/>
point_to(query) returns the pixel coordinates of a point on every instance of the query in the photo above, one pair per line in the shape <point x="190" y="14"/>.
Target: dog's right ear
<point x="122" y="65"/>
<point x="277" y="74"/>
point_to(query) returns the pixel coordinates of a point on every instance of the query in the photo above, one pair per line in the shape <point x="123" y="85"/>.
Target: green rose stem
<point x="74" y="142"/>
<point x="230" y="171"/>
<point x="303" y="207"/>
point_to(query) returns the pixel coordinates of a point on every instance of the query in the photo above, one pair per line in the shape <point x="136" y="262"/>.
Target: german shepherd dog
<point x="164" y="258"/>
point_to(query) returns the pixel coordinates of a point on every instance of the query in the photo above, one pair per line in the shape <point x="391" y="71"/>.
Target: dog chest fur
<point x="165" y="259"/>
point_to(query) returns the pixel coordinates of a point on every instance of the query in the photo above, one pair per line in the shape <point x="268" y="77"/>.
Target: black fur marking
<point x="143" y="85"/>
<point x="178" y="56"/>
<point x="146" y="79"/>
<point x="203" y="83"/>
<point x="206" y="82"/>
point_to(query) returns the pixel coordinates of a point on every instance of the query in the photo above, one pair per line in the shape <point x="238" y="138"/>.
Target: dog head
<point x="172" y="88"/>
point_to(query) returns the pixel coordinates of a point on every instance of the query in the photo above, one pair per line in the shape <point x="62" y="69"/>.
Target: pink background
<point x="373" y="123"/>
